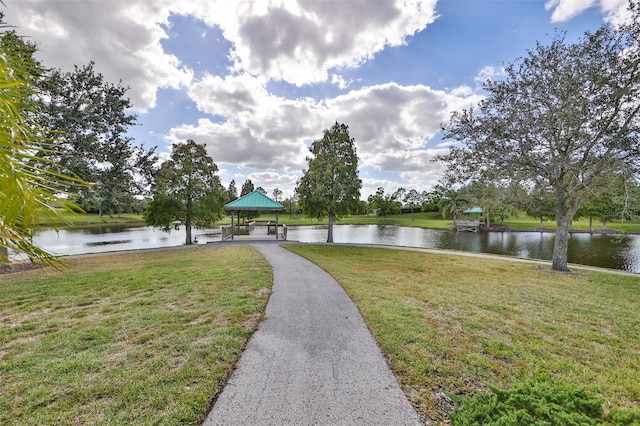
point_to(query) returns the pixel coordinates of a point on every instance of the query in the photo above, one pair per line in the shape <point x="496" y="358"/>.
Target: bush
<point x="530" y="404"/>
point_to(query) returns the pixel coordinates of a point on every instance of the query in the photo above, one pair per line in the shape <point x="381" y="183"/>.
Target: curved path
<point x="312" y="361"/>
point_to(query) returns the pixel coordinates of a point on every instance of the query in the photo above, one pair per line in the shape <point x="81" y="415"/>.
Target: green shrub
<point x="624" y="418"/>
<point x="532" y="405"/>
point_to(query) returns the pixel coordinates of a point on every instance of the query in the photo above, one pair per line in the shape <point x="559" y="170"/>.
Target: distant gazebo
<point x="472" y="225"/>
<point x="254" y="201"/>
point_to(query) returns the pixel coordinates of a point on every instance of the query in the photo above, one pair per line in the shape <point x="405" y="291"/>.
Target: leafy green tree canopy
<point x="87" y="118"/>
<point x="384" y="205"/>
<point x="563" y="119"/>
<point x="331" y="186"/>
<point x="187" y="191"/>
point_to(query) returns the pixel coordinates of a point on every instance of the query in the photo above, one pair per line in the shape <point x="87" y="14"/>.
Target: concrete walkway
<point x="313" y="360"/>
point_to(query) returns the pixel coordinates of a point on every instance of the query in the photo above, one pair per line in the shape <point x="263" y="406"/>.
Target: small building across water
<point x="254" y="201"/>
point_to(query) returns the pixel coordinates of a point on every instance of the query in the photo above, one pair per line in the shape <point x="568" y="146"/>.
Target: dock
<point x="469" y="225"/>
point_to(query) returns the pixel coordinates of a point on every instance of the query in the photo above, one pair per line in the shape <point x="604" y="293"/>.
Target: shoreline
<point x="505" y="228"/>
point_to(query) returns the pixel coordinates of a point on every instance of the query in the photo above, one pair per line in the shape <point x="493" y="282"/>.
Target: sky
<point x="257" y="81"/>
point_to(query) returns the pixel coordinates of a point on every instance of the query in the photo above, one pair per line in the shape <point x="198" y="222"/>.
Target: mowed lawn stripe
<point x="136" y="338"/>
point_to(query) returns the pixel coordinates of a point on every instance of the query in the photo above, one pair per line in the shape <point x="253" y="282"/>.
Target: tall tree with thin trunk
<point x="565" y="118"/>
<point x="187" y="191"/>
<point x="277" y="193"/>
<point x="232" y="191"/>
<point x="331" y="186"/>
<point x="247" y="188"/>
<point x="413" y="199"/>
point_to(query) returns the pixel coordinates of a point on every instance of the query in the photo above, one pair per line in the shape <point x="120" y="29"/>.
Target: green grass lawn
<point x="456" y="324"/>
<point x="138" y="338"/>
<point x="84" y="219"/>
<point x="151" y="337"/>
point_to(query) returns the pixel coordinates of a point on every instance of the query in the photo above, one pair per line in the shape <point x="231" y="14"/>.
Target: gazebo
<point x="469" y="224"/>
<point x="254" y="201"/>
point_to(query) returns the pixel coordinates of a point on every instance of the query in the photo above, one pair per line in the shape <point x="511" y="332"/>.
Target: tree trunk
<point x="564" y="217"/>
<point x="561" y="245"/>
<point x="330" y="230"/>
<point x="187" y="228"/>
<point x="591" y="224"/>
<point x="4" y="257"/>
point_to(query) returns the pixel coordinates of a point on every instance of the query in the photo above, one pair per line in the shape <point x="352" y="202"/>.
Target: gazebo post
<point x="232" y="230"/>
<point x="277" y="224"/>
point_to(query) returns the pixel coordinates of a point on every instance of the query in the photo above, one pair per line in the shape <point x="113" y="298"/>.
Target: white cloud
<point x="122" y="38"/>
<point x="417" y="168"/>
<point x="564" y="10"/>
<point x="251" y="128"/>
<point x="340" y="81"/>
<point x="294" y="41"/>
<point x="271" y="180"/>
<point x="299" y="42"/>
<point x="489" y="72"/>
<point x="616" y="11"/>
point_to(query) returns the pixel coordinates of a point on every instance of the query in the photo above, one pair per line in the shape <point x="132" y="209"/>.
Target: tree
<point x="538" y="203"/>
<point x="384" y="205"/>
<point x="331" y="186"/>
<point x="31" y="190"/>
<point x="450" y="202"/>
<point x="398" y="196"/>
<point x="564" y="118"/>
<point x="232" y="191"/>
<point x="496" y="200"/>
<point x="292" y="203"/>
<point x="430" y="201"/>
<point x="276" y="193"/>
<point x="247" y="188"/>
<point x="187" y="191"/>
<point x="619" y="203"/>
<point x="87" y="119"/>
<point x="413" y="199"/>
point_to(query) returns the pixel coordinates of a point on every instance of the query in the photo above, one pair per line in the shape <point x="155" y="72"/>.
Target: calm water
<point x="610" y="251"/>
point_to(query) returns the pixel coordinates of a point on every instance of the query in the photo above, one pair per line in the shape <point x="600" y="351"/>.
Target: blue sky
<point x="258" y="80"/>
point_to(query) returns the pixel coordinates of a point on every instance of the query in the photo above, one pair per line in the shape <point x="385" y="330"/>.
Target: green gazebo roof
<point x="255" y="200"/>
<point x="474" y="210"/>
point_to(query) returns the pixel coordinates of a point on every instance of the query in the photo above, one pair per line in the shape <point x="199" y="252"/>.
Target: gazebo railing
<point x="225" y="232"/>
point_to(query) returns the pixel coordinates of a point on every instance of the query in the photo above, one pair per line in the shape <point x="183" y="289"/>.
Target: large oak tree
<point x="87" y="119"/>
<point x="331" y="186"/>
<point x="563" y="120"/>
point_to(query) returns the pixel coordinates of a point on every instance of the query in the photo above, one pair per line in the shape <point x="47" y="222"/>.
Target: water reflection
<point x="111" y="238"/>
<point x="610" y="251"/>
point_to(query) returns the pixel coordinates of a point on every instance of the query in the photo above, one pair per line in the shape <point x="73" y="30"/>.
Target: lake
<point x="604" y="250"/>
